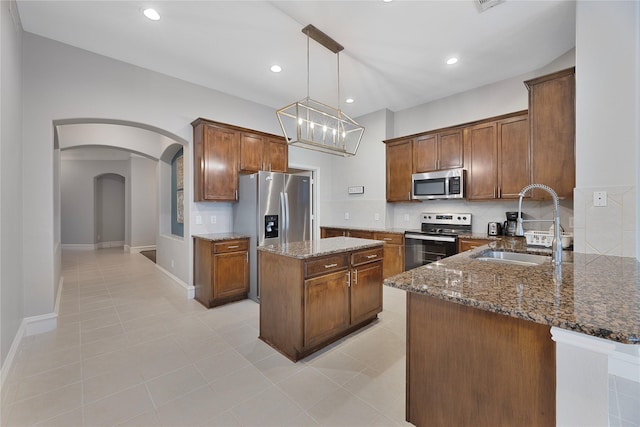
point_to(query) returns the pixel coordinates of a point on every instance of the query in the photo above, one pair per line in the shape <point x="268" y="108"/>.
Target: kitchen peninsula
<point x="492" y="343"/>
<point x="315" y="292"/>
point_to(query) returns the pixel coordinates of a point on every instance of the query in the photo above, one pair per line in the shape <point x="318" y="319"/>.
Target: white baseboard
<point x="137" y="249"/>
<point x="191" y="290"/>
<point x="104" y="245"/>
<point x="13" y="351"/>
<point x="88" y="246"/>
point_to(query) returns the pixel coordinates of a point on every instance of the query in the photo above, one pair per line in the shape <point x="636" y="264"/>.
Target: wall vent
<point x="487" y="4"/>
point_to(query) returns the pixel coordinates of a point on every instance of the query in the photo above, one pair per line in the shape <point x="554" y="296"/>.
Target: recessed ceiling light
<point x="349" y="100"/>
<point x="151" y="14"/>
<point x="276" y="68"/>
<point x="387" y="1"/>
<point x="452" y="60"/>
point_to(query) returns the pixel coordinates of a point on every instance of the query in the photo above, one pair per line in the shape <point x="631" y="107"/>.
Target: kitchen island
<point x="315" y="292"/>
<point x="492" y="343"/>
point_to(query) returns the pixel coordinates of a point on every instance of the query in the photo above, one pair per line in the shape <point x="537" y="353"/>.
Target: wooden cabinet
<point x="393" y="253"/>
<point x="468" y="244"/>
<point x="326" y="232"/>
<point x="399" y="166"/>
<point x="260" y="152"/>
<point x="393" y="246"/>
<point x="221" y="271"/>
<point x="552" y="126"/>
<point x="305" y="304"/>
<point x="221" y="151"/>
<point x="498" y="158"/>
<point x="215" y="162"/>
<point x="438" y="151"/>
<point x="276" y="155"/>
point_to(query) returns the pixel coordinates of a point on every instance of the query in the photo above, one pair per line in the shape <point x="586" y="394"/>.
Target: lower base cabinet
<point x="306" y="304"/>
<point x="221" y="271"/>
<point x="468" y="244"/>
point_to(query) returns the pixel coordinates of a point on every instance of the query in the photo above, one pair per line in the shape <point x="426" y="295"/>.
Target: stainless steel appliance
<point x="511" y="224"/>
<point x="446" y="184"/>
<point x="273" y="208"/>
<point x="494" y="229"/>
<point x="436" y="239"/>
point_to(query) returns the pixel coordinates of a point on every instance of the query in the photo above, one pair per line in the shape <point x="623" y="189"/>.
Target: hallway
<point x="131" y="350"/>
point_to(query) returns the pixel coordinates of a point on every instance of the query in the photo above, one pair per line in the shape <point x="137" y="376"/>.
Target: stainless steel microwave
<point x="446" y="184"/>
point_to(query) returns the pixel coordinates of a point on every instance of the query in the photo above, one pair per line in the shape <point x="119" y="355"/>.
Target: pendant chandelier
<point x="313" y="125"/>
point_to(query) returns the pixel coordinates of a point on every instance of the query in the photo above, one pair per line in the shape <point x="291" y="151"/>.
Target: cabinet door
<point x="251" y="152"/>
<point x="231" y="274"/>
<point x="514" y="172"/>
<point x="277" y="157"/>
<point x="425" y="153"/>
<point x="552" y="122"/>
<point x="399" y="167"/>
<point x="393" y="260"/>
<point x="450" y="149"/>
<point x="220" y="164"/>
<point x="366" y="292"/>
<point x="326" y="302"/>
<point x="483" y="162"/>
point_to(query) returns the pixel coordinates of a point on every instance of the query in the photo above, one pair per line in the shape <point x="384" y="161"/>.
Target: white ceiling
<point x="394" y="54"/>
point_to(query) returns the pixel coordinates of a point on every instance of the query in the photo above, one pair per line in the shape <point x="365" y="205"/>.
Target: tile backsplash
<point x="607" y="230"/>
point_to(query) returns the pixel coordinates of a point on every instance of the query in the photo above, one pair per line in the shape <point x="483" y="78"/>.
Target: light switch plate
<point x="599" y="198"/>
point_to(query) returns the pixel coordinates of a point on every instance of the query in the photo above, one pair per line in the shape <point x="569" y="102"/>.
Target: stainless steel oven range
<point x="437" y="238"/>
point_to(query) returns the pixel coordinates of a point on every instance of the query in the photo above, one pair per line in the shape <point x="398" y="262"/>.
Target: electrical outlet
<point x="346" y="215"/>
<point x="376" y="217"/>
<point x="406" y="217"/>
<point x="599" y="198"/>
<point x="213" y="219"/>
<point x="198" y="220"/>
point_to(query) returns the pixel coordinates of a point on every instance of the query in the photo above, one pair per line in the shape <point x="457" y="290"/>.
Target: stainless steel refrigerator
<point x="273" y="208"/>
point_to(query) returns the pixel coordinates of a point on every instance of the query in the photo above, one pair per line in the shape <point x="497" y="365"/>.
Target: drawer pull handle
<point x="330" y="265"/>
<point x="388" y="238"/>
<point x="233" y="246"/>
<point x="372" y="256"/>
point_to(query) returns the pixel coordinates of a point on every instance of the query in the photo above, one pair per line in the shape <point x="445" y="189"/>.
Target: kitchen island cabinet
<point x="531" y="345"/>
<point x="393" y="244"/>
<point x="221" y="268"/>
<point x="315" y="292"/>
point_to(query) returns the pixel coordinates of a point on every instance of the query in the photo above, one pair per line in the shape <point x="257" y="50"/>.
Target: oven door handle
<point x="430" y="237"/>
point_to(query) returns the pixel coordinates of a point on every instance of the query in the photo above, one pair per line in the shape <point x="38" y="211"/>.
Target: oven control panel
<point x="446" y="218"/>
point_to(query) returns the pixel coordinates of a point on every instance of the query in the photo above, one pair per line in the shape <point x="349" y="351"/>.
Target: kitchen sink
<point x="516" y="258"/>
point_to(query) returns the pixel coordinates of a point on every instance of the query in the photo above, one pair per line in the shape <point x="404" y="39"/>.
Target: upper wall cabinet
<point x="437" y="151"/>
<point x="552" y="124"/>
<point x="498" y="158"/>
<point x="399" y="166"/>
<point x="215" y="162"/>
<point x="222" y="151"/>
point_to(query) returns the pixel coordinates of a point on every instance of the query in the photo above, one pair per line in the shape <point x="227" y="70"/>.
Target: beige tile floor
<point x="131" y="350"/>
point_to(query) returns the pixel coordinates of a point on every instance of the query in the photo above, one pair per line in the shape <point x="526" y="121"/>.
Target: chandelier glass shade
<point x="313" y="125"/>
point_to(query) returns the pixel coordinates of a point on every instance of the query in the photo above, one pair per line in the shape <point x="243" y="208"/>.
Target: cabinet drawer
<point x="230" y="246"/>
<point x="325" y="265"/>
<point x="361" y="234"/>
<point x="393" y="238"/>
<point x="363" y="257"/>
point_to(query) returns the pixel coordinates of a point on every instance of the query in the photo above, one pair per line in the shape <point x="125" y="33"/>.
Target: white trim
<point x="138" y="249"/>
<point x="191" y="290"/>
<point x="40" y="324"/>
<point x="88" y="246"/>
<point x="104" y="245"/>
<point x="13" y="351"/>
<point x="56" y="307"/>
<point x="583" y="341"/>
<point x="625" y="366"/>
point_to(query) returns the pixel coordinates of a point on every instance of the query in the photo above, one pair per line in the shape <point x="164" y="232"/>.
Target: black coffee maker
<point x="511" y="224"/>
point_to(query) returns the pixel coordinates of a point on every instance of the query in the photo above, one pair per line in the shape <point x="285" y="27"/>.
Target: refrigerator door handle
<point x="283" y="213"/>
<point x="286" y="216"/>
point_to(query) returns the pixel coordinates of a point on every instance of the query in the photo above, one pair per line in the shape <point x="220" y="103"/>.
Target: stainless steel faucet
<point x="557" y="237"/>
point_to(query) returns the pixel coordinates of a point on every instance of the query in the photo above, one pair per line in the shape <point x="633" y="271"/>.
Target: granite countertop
<point x="320" y="247"/>
<point x="219" y="237"/>
<point x="372" y="229"/>
<point x="592" y="294"/>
